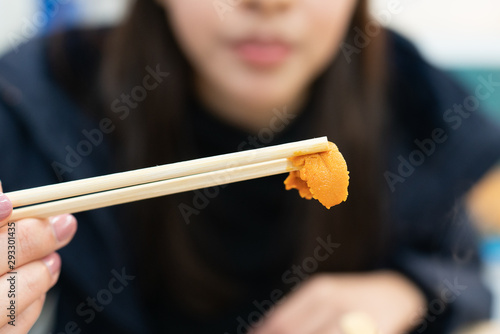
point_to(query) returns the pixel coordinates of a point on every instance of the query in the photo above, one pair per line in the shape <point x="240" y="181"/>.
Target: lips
<point x="262" y="53"/>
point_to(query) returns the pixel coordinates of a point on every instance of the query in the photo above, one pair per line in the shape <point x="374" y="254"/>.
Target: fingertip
<point x="64" y="227"/>
<point x="53" y="263"/>
<point x="5" y="207"/>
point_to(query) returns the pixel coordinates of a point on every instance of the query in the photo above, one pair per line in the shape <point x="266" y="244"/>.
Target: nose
<point x="267" y="6"/>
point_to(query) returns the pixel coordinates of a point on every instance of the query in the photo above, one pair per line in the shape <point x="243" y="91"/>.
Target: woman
<point x="183" y="79"/>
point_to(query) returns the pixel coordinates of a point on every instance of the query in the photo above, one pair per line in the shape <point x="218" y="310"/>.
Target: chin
<point x="266" y="96"/>
<point x="264" y="102"/>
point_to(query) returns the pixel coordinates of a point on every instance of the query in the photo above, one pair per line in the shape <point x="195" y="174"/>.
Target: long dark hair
<point x="349" y="101"/>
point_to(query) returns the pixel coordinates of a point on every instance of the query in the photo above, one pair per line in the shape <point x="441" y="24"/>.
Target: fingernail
<point x="53" y="262"/>
<point x="5" y="207"/>
<point x="64" y="226"/>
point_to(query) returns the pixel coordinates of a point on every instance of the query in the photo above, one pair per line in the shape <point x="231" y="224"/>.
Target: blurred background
<point x="460" y="36"/>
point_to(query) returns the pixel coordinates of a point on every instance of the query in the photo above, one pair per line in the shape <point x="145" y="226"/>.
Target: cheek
<point x="195" y="25"/>
<point x="329" y="21"/>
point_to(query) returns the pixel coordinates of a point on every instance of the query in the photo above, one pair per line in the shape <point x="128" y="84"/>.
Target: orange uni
<point x="322" y="176"/>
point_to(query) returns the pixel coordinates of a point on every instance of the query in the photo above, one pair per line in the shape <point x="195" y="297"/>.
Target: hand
<point x="318" y="306"/>
<point x="34" y="261"/>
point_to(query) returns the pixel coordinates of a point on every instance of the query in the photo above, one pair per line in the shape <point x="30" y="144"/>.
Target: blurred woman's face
<point x="258" y="54"/>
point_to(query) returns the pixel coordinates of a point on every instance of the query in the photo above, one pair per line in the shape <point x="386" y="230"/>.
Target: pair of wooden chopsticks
<point x="102" y="191"/>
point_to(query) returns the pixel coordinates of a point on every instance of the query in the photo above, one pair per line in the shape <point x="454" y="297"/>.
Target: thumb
<point x="5" y="207"/>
